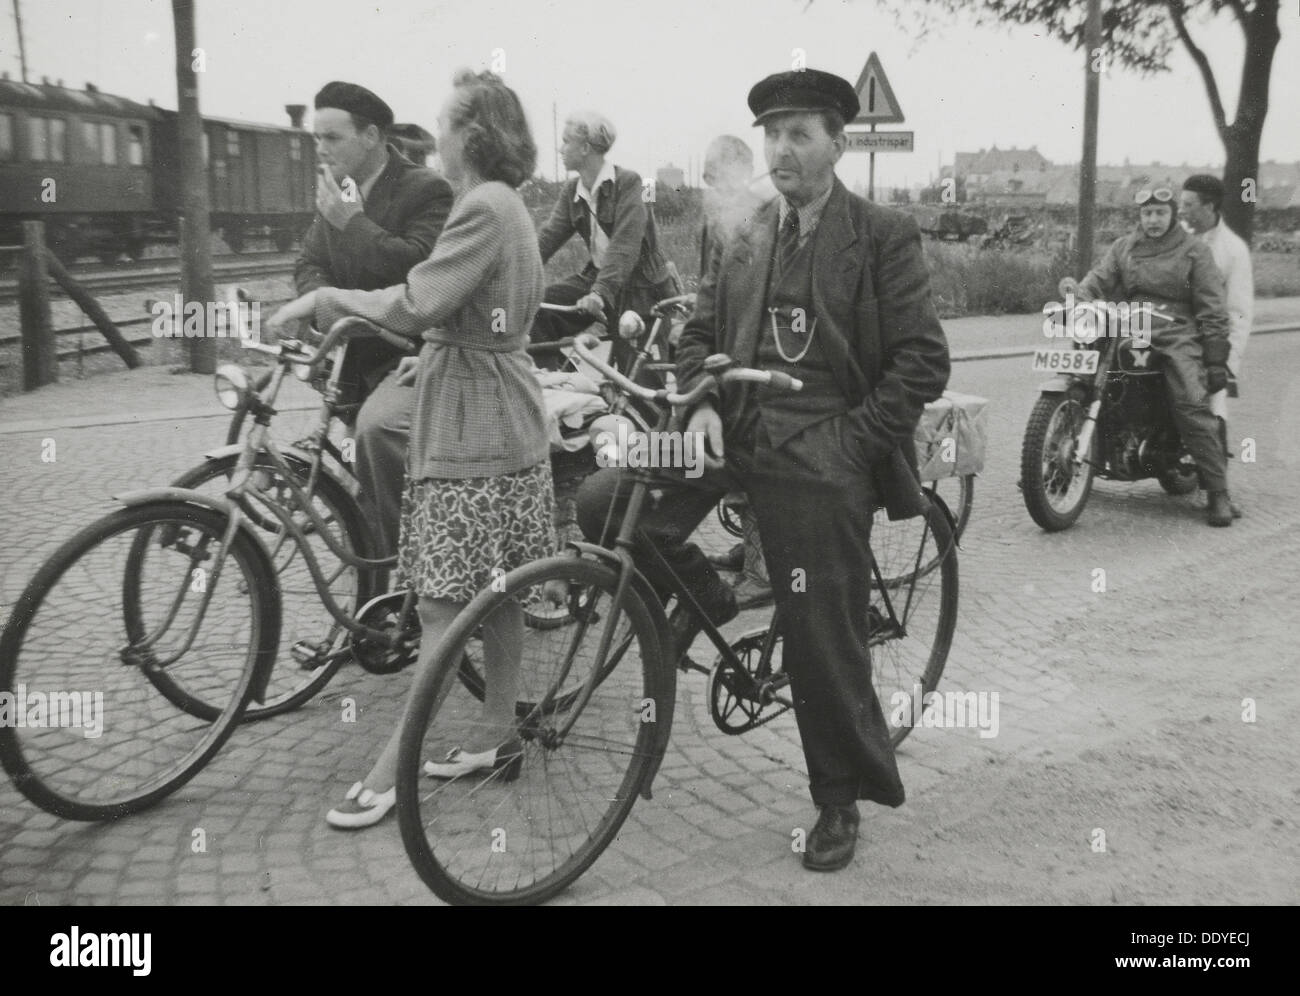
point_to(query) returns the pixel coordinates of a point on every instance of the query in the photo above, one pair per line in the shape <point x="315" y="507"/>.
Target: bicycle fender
<point x="664" y="717"/>
<point x="288" y="452"/>
<point x="262" y="669"/>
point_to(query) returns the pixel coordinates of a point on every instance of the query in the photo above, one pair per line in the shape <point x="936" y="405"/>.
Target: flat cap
<point x="803" y="90"/>
<point x="355" y="100"/>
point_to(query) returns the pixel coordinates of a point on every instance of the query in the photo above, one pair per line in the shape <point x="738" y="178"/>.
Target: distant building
<point x="670" y="177"/>
<point x="1023" y="177"/>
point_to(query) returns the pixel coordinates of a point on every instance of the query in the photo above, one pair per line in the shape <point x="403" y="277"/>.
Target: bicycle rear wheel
<point x="912" y="612"/>
<point x="524" y="833"/>
<point x="94" y="735"/>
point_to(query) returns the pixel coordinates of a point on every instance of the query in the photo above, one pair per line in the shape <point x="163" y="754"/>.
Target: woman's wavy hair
<point x="498" y="142"/>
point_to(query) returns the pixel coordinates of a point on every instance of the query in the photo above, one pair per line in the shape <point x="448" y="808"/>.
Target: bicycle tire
<point x="892" y="675"/>
<point x="451" y="828"/>
<point x="291" y="685"/>
<point x="70" y="610"/>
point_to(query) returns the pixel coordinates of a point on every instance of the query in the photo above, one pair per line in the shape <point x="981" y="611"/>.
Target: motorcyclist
<point x="1161" y="263"/>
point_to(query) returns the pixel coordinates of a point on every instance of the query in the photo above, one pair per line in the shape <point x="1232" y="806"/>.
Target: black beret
<point x="355" y="100"/>
<point x="803" y="90"/>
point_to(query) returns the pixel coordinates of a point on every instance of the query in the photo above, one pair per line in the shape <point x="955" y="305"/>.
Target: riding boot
<point x="1219" y="509"/>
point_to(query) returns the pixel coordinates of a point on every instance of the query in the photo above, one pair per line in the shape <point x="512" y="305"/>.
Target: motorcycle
<point x="1106" y="413"/>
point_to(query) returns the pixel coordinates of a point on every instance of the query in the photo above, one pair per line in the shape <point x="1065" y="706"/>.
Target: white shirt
<point x="599" y="240"/>
<point x="1232" y="257"/>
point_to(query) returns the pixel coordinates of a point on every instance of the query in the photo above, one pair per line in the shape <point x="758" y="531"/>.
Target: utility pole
<point x="22" y="46"/>
<point x="196" y="248"/>
<point x="1093" y="63"/>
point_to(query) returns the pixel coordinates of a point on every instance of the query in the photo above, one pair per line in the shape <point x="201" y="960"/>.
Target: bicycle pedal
<point x="309" y="655"/>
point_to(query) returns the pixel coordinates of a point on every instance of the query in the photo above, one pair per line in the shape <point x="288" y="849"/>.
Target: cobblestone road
<point x="1121" y="711"/>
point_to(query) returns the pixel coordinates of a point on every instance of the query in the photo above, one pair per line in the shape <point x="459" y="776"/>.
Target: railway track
<point x="161" y="272"/>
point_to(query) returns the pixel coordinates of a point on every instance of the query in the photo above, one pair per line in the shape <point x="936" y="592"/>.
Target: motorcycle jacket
<point x="1175" y="272"/>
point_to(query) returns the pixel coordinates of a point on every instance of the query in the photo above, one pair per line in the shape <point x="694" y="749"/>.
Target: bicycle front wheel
<point x="308" y="625"/>
<point x="574" y="763"/>
<point x="93" y="734"/>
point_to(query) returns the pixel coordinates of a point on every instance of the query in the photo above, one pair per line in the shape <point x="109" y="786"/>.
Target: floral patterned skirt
<point x="457" y="534"/>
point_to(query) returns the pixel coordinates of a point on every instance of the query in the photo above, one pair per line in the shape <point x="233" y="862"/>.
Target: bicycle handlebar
<point x="583" y="345"/>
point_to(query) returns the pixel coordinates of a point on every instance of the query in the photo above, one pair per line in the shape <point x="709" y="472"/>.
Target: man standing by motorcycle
<point x="1200" y="205"/>
<point x="1162" y="263"/>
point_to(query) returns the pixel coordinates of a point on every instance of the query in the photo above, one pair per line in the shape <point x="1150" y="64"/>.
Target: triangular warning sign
<point x="879" y="105"/>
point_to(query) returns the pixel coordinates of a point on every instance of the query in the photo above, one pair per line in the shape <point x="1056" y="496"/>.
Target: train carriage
<point x="103" y="172"/>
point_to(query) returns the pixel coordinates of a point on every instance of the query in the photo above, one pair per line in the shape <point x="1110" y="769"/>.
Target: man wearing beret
<point x="833" y="290"/>
<point x="378" y="215"/>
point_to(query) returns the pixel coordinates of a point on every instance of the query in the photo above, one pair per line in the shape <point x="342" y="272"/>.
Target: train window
<point x="38" y="139"/>
<point x="295" y="148"/>
<point x="47" y="139"/>
<point x="6" y="136"/>
<point x="58" y="140"/>
<point x="232" y="143"/>
<point x="108" y="144"/>
<point x="90" y="138"/>
<point x="135" y="145"/>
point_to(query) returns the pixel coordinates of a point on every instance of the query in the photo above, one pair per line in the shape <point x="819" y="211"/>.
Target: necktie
<point x="787" y="242"/>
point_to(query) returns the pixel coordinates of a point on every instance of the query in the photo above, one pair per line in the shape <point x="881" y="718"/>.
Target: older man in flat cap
<point x="378" y="215"/>
<point x="833" y="290"/>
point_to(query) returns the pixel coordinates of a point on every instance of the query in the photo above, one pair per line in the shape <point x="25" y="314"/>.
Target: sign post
<point x="878" y="106"/>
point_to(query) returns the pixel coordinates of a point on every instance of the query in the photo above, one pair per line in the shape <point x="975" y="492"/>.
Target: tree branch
<point x="1239" y="9"/>
<point x="1175" y="9"/>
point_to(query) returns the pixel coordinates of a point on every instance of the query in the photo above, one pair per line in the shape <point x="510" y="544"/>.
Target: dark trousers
<point x="549" y="326"/>
<point x="1184" y="373"/>
<point x="813" y="501"/>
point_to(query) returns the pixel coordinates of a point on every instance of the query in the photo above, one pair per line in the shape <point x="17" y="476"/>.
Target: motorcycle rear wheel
<point x="1055" y="489"/>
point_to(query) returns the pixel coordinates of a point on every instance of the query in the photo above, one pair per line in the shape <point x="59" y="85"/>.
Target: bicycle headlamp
<point x="231" y="384"/>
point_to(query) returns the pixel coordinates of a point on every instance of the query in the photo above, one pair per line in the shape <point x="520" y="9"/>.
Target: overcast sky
<point x="670" y="73"/>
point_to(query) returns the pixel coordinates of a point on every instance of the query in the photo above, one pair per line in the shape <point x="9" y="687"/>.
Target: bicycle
<point x="334" y="497"/>
<point x="603" y="688"/>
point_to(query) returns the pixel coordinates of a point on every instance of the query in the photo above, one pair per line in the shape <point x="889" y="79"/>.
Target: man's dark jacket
<point x="402" y="217"/>
<point x="876" y="323"/>
<point x="635" y="273"/>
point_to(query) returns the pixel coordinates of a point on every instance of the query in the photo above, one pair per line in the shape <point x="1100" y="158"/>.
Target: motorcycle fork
<point x="1083" y="441"/>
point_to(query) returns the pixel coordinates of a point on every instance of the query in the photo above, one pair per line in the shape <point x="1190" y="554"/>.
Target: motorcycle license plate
<point x="1075" y="361"/>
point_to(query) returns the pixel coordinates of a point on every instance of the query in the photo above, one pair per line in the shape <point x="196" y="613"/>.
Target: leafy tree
<point x="1142" y="34"/>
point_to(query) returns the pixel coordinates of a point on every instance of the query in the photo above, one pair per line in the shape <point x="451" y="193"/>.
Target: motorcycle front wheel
<point x="1055" y="488"/>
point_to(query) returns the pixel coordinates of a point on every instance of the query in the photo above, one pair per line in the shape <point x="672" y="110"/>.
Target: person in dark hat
<point x="378" y="215"/>
<point x="833" y="290"/>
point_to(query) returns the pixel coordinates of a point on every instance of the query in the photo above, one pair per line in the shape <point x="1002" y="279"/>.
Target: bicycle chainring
<point x="738" y="706"/>
<point x="384" y="613"/>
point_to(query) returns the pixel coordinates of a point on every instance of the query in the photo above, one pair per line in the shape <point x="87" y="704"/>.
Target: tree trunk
<point x="1241" y="138"/>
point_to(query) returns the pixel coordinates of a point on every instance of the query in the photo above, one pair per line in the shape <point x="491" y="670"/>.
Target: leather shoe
<point x="506" y="759"/>
<point x="831" y="843"/>
<point x="362" y="808"/>
<point x="719" y="603"/>
<point x="1218" y="511"/>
